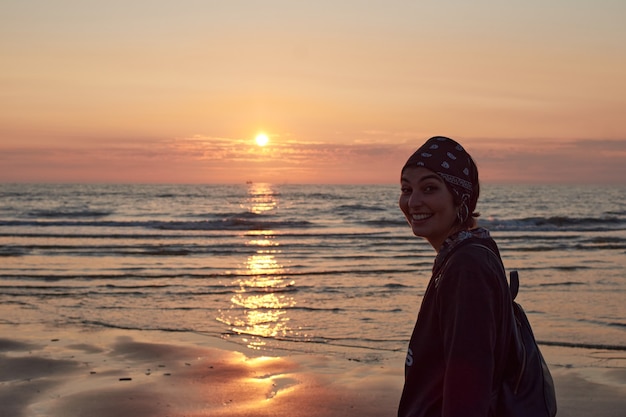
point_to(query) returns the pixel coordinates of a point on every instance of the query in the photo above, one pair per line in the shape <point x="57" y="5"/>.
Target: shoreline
<point x="68" y="371"/>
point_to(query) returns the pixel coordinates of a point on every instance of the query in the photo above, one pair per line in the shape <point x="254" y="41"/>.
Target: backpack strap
<point x="514" y="284"/>
<point x="513" y="276"/>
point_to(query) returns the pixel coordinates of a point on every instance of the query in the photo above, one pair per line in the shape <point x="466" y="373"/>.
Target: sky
<point x="155" y="91"/>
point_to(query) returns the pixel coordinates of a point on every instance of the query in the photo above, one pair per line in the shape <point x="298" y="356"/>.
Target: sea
<point x="328" y="269"/>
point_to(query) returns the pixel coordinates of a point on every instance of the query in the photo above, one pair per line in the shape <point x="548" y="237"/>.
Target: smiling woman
<point x="262" y="139"/>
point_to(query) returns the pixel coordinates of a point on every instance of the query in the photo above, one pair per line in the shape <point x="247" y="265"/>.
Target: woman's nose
<point x="415" y="199"/>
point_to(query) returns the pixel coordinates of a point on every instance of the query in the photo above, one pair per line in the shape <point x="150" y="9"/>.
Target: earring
<point x="463" y="213"/>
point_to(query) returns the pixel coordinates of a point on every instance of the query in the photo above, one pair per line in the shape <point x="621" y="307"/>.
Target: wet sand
<point x="113" y="373"/>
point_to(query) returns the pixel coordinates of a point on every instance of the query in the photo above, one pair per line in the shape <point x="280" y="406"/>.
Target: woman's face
<point x="428" y="205"/>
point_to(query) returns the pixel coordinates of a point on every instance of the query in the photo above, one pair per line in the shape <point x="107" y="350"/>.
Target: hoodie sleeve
<point x="470" y="309"/>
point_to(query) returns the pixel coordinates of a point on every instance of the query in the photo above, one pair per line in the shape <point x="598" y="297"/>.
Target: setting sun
<point x="262" y="139"/>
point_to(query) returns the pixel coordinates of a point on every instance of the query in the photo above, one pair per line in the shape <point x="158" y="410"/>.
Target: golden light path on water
<point x="259" y="307"/>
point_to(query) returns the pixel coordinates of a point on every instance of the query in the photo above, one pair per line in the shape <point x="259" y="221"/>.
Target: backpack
<point x="527" y="386"/>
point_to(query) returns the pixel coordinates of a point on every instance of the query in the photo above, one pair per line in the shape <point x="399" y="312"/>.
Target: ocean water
<point x="330" y="269"/>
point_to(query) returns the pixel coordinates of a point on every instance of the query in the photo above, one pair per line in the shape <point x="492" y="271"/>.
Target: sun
<point x="262" y="139"/>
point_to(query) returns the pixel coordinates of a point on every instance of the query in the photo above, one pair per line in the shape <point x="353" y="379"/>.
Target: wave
<point x="556" y="223"/>
<point x="351" y="208"/>
<point x="359" y="343"/>
<point x="126" y="276"/>
<point x="582" y="345"/>
<point x="563" y="284"/>
<point x="527" y="224"/>
<point x="68" y="213"/>
<point x="253" y="221"/>
<point x="236" y="223"/>
<point x="138" y="293"/>
<point x="385" y="222"/>
<point x="97" y="323"/>
<point x="353" y="343"/>
<point x="13" y="251"/>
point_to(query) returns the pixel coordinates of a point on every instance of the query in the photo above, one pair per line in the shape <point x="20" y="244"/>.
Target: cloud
<point x="205" y="159"/>
<point x="288" y="152"/>
<point x="602" y="145"/>
<point x="551" y="161"/>
<point x="192" y="159"/>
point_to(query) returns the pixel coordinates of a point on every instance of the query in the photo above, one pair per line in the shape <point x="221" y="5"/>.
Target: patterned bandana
<point x="453" y="241"/>
<point x="450" y="161"/>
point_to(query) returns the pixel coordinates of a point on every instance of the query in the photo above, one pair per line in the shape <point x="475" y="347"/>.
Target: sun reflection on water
<point x="259" y="309"/>
<point x="261" y="198"/>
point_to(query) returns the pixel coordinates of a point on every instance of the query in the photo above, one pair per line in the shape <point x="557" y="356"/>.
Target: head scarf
<point x="452" y="163"/>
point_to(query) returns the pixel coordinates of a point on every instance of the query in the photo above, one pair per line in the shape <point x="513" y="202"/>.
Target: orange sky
<point x="156" y="91"/>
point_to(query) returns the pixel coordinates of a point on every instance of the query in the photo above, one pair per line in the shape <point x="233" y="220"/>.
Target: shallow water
<point x="309" y="268"/>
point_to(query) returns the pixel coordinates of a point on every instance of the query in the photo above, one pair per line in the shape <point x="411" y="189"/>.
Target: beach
<point x="65" y="371"/>
<point x="278" y="300"/>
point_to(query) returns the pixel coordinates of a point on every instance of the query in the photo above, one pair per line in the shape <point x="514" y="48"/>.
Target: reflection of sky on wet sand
<point x="258" y="310"/>
<point x="191" y="374"/>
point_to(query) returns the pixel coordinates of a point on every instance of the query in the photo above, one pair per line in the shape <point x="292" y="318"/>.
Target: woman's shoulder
<point x="474" y="249"/>
<point x="476" y="257"/>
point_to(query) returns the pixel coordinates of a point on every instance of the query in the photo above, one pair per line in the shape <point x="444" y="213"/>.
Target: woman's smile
<point x="421" y="217"/>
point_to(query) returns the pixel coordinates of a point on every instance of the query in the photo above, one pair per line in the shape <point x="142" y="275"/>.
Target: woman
<point x="458" y="350"/>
